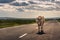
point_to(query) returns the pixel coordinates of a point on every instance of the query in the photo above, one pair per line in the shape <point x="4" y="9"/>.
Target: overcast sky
<point x="10" y="11"/>
<point x="46" y="14"/>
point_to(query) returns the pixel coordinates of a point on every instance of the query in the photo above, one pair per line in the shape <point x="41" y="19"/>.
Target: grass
<point x="58" y="20"/>
<point x="15" y="22"/>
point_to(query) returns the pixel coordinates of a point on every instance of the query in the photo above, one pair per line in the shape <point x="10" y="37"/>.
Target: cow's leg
<point x="41" y="26"/>
<point x="42" y="29"/>
<point x="38" y="28"/>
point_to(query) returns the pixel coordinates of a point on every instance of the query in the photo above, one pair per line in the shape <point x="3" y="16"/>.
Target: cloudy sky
<point x="29" y="9"/>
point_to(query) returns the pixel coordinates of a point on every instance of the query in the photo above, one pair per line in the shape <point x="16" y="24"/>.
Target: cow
<point x="40" y="22"/>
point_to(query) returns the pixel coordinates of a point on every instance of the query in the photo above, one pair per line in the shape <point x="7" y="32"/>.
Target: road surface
<point x="29" y="32"/>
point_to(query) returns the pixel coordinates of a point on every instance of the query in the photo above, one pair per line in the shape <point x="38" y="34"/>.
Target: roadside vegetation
<point x="58" y="20"/>
<point x="14" y="22"/>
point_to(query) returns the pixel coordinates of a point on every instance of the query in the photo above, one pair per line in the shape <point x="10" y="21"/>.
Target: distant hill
<point x="4" y="18"/>
<point x="11" y="18"/>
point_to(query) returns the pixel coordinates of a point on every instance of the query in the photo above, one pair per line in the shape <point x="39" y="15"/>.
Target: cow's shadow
<point x="40" y="33"/>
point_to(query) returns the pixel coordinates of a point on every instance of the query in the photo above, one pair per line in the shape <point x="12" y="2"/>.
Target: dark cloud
<point x="31" y="2"/>
<point x="20" y="9"/>
<point x="1" y="5"/>
<point x="19" y="4"/>
<point x="6" y="1"/>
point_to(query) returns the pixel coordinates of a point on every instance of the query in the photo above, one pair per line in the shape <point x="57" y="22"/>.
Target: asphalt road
<point x="29" y="32"/>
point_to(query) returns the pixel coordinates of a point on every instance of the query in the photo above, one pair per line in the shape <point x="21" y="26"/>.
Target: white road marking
<point x="23" y="35"/>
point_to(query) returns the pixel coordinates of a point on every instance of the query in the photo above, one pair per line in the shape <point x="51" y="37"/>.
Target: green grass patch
<point x="58" y="20"/>
<point x="14" y="22"/>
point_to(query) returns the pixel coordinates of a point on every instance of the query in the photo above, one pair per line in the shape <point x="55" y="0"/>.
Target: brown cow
<point x="40" y="21"/>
